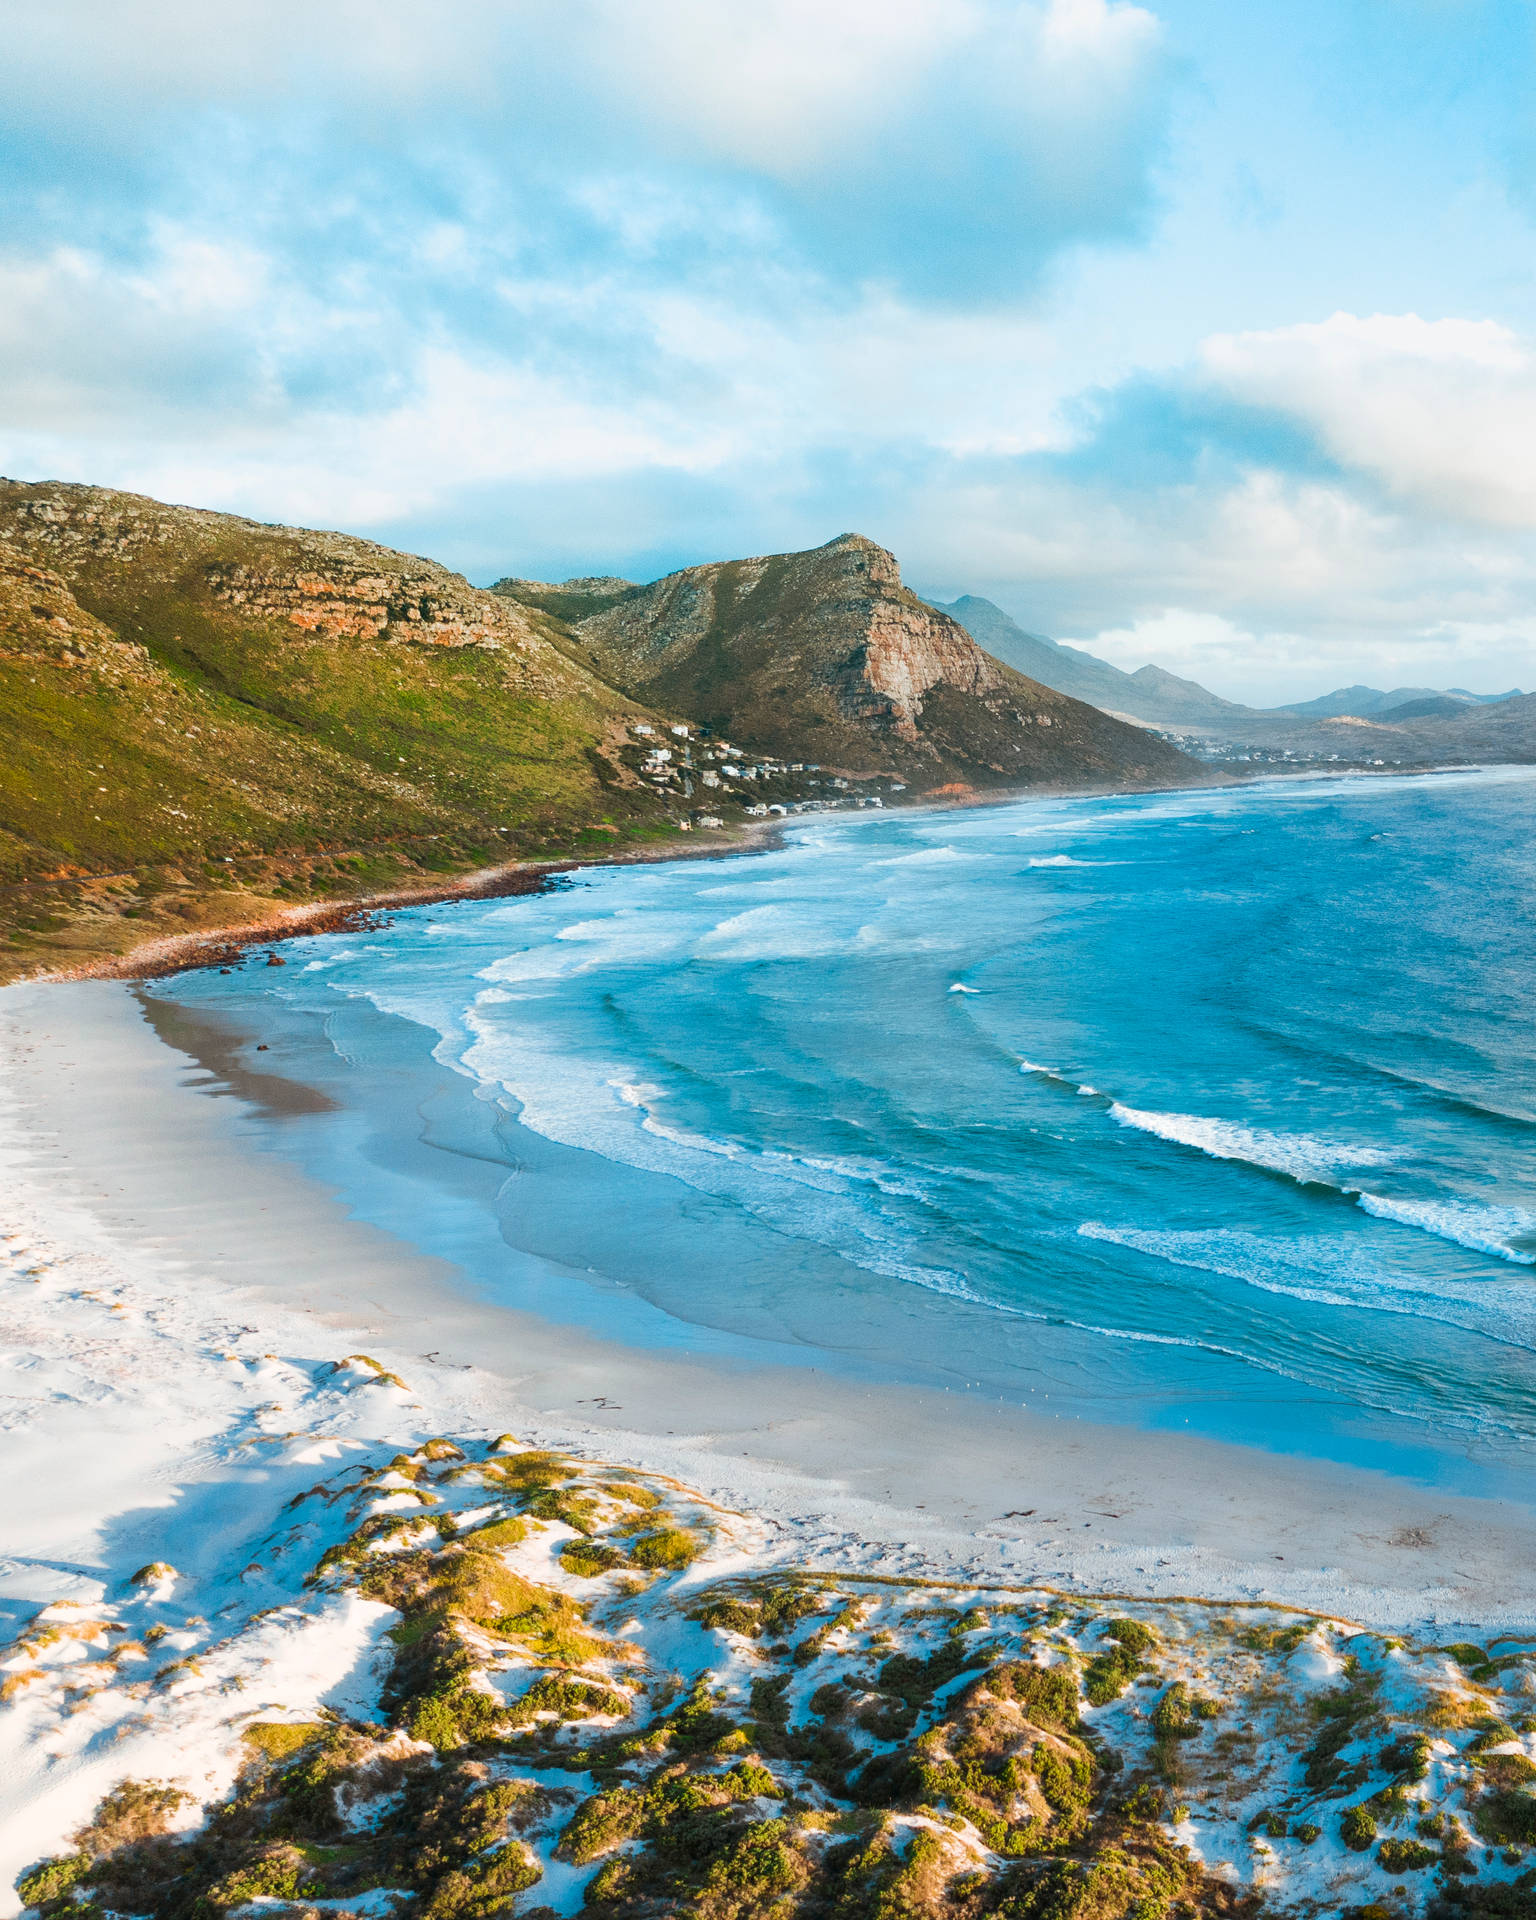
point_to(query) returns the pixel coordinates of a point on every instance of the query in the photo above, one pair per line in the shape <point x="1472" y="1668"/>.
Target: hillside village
<point x="685" y="763"/>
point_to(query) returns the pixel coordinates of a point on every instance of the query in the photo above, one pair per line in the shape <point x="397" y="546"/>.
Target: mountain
<point x="1502" y="730"/>
<point x="1429" y="706"/>
<point x="1162" y="699"/>
<point x="205" y="718"/>
<point x="826" y="654"/>
<point x="1371" y="703"/>
<point x="1151" y="694"/>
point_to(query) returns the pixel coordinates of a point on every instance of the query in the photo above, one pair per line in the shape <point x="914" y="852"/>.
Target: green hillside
<point x="206" y="719"/>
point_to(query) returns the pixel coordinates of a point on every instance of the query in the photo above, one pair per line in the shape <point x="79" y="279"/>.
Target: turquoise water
<point x="1206" y="1110"/>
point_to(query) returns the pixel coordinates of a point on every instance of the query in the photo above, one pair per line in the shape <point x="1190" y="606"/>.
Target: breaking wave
<point x="1299" y="1156"/>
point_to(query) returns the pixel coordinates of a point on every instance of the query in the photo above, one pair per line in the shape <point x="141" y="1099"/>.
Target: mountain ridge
<point x="826" y="651"/>
<point x="1150" y="695"/>
<point x="1155" y="697"/>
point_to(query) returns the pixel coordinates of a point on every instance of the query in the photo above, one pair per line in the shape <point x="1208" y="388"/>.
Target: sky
<point x="1200" y="332"/>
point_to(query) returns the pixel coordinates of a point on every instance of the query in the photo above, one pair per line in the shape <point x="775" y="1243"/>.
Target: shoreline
<point x="211" y="946"/>
<point x="120" y="1143"/>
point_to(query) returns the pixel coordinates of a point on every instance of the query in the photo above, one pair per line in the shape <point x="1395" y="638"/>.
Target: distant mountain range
<point x="1402" y="703"/>
<point x="1157" y="698"/>
<point x="1151" y="694"/>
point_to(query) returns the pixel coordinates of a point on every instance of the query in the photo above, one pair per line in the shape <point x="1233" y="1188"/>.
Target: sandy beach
<point x="123" y="1152"/>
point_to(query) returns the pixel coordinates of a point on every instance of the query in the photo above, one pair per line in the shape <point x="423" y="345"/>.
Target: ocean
<point x="1208" y="1111"/>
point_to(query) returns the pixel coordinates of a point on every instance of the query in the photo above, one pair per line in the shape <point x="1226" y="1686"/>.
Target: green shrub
<point x="278" y="1873"/>
<point x="54" y="1878"/>
<point x="1406" y="1856"/>
<point x="1408" y="1757"/>
<point x="1508" y="1770"/>
<point x="1174" y="1716"/>
<point x="635" y="1496"/>
<point x="1065" y="1779"/>
<point x="589" y="1558"/>
<point x="600" y="1824"/>
<point x="758" y="1865"/>
<point x="1306" y="1831"/>
<point x="1466" y="1655"/>
<point x="750" y="1780"/>
<point x="1277" y="1639"/>
<point x="1047" y="1694"/>
<point x="511" y="1532"/>
<point x="457" y="1715"/>
<point x="1341" y="1710"/>
<point x="1146" y="1802"/>
<point x="1357" y="1829"/>
<point x="730" y="1616"/>
<point x="668" y="1550"/>
<point x="1109" y="1673"/>
<point x="134" y="1810"/>
<point x="1507" y="1817"/>
<point x="1134" y="1635"/>
<point x="278" y="1739"/>
<point x="570" y="1698"/>
<point x="573" y="1508"/>
<point x="531" y="1472"/>
<point x="698" y="1725"/>
<point x="485" y="1888"/>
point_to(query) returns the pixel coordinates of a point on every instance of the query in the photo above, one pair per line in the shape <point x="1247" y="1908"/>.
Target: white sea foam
<point x="1484" y="1229"/>
<point x="1065" y="860"/>
<point x="928" y="857"/>
<point x="960" y="987"/>
<point x="780" y="931"/>
<point x="1300" y="1156"/>
<point x="1058" y="1079"/>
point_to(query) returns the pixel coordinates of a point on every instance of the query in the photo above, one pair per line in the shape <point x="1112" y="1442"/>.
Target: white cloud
<point x="1441" y="412"/>
<point x="948" y="147"/>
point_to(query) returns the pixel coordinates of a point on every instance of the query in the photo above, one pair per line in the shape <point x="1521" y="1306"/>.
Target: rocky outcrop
<point x="41" y="620"/>
<point x="363" y="603"/>
<point x="827" y="653"/>
<point x="329" y="585"/>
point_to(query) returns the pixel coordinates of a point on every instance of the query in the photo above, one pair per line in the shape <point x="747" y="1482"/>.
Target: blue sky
<point x="1195" y="332"/>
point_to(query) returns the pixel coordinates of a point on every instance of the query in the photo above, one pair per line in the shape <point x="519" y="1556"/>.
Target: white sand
<point x="113" y="1167"/>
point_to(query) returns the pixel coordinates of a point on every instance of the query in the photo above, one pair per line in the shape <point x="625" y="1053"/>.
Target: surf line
<point x="1310" y="1162"/>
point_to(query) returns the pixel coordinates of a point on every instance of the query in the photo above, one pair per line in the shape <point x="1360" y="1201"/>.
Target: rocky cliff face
<point x="363" y="603"/>
<point x="826" y="653"/>
<point x="328" y="585"/>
